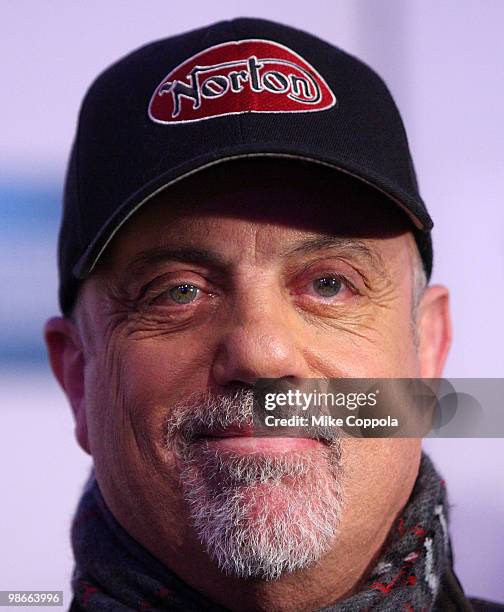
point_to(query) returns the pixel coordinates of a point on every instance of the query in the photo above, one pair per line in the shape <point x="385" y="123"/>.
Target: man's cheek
<point x="159" y="369"/>
<point x="137" y="383"/>
<point x="108" y="399"/>
<point x="352" y="348"/>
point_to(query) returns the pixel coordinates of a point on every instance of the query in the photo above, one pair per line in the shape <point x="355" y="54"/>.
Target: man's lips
<point x="242" y="439"/>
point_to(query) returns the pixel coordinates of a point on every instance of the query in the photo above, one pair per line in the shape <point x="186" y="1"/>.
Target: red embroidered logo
<point x="247" y="76"/>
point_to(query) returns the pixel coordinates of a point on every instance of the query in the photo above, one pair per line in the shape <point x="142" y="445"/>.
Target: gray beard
<point x="257" y="515"/>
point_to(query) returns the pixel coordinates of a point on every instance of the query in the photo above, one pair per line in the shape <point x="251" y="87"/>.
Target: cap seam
<point x="239" y="115"/>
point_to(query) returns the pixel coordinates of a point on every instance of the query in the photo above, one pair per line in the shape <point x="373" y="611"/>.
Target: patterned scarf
<point x="113" y="572"/>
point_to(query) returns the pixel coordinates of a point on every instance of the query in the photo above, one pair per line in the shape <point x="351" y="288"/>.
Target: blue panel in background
<point x="22" y="204"/>
<point x="29" y="219"/>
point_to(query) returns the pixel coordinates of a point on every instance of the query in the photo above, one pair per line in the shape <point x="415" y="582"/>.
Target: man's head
<point x="258" y="267"/>
<point x="250" y="270"/>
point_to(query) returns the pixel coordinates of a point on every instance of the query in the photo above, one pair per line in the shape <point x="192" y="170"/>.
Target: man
<point x="241" y="204"/>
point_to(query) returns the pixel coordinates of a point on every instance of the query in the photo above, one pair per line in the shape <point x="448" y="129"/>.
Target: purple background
<point x="444" y="62"/>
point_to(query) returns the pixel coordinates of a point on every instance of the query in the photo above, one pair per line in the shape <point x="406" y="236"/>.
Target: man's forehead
<point x="212" y="255"/>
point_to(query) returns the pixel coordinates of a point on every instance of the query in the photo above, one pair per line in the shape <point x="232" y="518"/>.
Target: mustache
<point x="201" y="413"/>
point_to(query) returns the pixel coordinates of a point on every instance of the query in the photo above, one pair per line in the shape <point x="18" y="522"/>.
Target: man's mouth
<point x="243" y="439"/>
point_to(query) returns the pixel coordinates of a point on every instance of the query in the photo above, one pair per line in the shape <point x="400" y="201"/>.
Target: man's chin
<point x="260" y="515"/>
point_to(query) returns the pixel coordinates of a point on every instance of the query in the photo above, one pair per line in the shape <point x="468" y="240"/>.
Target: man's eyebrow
<point x="144" y="260"/>
<point x="346" y="246"/>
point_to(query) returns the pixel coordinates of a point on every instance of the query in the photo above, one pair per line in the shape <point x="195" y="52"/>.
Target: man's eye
<point x="183" y="294"/>
<point x="327" y="286"/>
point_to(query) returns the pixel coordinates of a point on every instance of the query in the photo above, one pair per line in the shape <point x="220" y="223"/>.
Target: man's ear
<point x="434" y="331"/>
<point x="66" y="355"/>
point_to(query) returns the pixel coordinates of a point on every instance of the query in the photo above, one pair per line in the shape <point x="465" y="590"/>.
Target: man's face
<point x="251" y="270"/>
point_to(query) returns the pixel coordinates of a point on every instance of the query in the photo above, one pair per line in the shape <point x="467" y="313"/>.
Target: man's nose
<point x="259" y="341"/>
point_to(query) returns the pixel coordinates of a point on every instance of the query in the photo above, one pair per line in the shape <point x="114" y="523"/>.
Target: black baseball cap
<point x="238" y="88"/>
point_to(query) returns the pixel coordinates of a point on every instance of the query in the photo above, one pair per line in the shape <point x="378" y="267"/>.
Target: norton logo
<point x="249" y="76"/>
